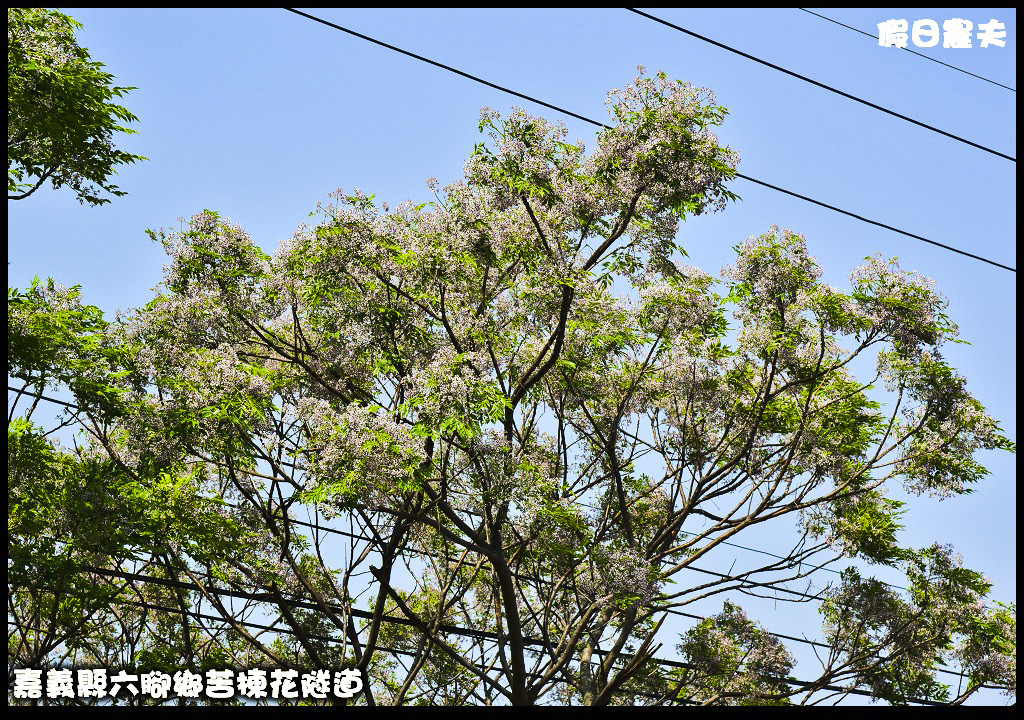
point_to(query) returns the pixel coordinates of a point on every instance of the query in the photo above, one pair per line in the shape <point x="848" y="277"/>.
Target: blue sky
<point x="259" y="114"/>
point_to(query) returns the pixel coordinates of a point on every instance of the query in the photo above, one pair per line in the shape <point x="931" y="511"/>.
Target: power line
<point x="822" y="85"/>
<point x="745" y="582"/>
<point x="265" y="597"/>
<point x="673" y="611"/>
<point x="365" y="537"/>
<point x="740" y="578"/>
<point x="453" y="629"/>
<point x="355" y="536"/>
<point x="879" y="224"/>
<point x="437" y="64"/>
<point x="602" y="125"/>
<point x="926" y="57"/>
<point x="195" y="615"/>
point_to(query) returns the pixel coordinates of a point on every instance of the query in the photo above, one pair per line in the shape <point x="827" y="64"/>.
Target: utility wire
<point x="740" y="578"/>
<point x="744" y="581"/>
<point x="198" y="616"/>
<point x="672" y="611"/>
<point x="879" y="224"/>
<point x="602" y="125"/>
<point x="440" y="65"/>
<point x="453" y="629"/>
<point x="822" y="85"/>
<point x="926" y="57"/>
<point x="334" y="531"/>
<point x="484" y="635"/>
<point x="364" y="537"/>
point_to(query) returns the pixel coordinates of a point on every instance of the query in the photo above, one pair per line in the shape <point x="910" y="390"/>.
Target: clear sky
<point x="259" y="114"/>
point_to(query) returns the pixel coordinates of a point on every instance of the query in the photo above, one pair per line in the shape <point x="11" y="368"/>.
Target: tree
<point x="430" y="444"/>
<point x="60" y="118"/>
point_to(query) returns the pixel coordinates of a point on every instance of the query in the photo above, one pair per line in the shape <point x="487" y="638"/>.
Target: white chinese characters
<point x="956" y="33"/>
<point x="215" y="684"/>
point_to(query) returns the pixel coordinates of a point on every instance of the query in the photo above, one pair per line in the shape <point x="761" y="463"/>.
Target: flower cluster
<point x="775" y="284"/>
<point x="773" y="268"/>
<point x="904" y="306"/>
<point x="683" y="304"/>
<point x="735" y="659"/>
<point x="216" y="258"/>
<point x="663" y="145"/>
<point x="989" y="654"/>
<point x="621" y="574"/>
<point x="356" y="453"/>
<point x="946" y="428"/>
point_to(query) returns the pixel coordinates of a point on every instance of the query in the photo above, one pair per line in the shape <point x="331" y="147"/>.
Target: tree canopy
<point x="430" y="443"/>
<point x="60" y="118"/>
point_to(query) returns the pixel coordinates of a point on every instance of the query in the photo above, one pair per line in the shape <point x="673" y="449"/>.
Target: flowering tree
<point x="429" y="443"/>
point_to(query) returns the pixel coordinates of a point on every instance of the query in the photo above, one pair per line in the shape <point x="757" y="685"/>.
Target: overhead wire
<point x="195" y="615"/>
<point x="453" y="629"/>
<point x="692" y="567"/>
<point x="926" y="57"/>
<point x="822" y="85"/>
<point x="365" y="615"/>
<point x="745" y="582"/>
<point x="603" y="125"/>
<point x="363" y="537"/>
<point x="672" y="611"/>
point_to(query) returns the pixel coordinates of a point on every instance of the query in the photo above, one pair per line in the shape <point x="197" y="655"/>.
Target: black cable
<point x="926" y="57"/>
<point x="822" y="85"/>
<point x="453" y="629"/>
<point x="602" y="125"/>
<point x="437" y="64"/>
<point x="302" y="603"/>
<point x="194" y="615"/>
<point x="355" y="536"/>
<point x="671" y="611"/>
<point x="367" y="538"/>
<point x="879" y="224"/>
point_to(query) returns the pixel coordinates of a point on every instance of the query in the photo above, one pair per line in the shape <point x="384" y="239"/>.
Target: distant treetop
<point x="61" y="120"/>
